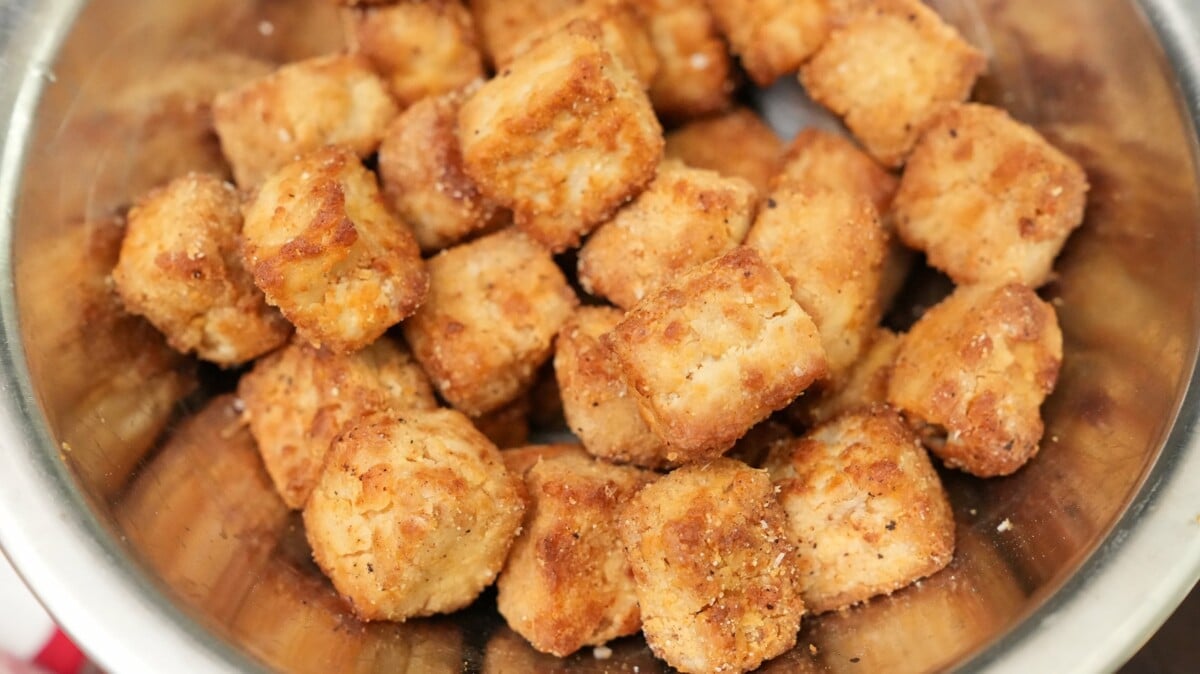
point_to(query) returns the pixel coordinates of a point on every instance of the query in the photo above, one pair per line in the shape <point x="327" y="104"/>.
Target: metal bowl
<point x="176" y="557"/>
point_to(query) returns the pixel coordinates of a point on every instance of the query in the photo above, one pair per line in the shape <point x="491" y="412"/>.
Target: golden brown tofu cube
<point x="695" y="76"/>
<point x="300" y="108"/>
<point x="504" y="25"/>
<point x="622" y="32"/>
<point x="864" y="507"/>
<point x="716" y="576"/>
<point x="685" y="217"/>
<point x="324" y="248"/>
<point x="494" y="307"/>
<point x="298" y="399"/>
<point x="563" y="137"/>
<point x="597" y="404"/>
<point x="830" y="247"/>
<point x="971" y="376"/>
<point x="420" y="167"/>
<point x="865" y="384"/>
<point x="705" y="143"/>
<point x="888" y="71"/>
<point x="567" y="583"/>
<point x="823" y="159"/>
<point x="988" y="199"/>
<point x="715" y="351"/>
<point x="772" y="37"/>
<point x="181" y="267"/>
<point x="420" y="48"/>
<point x="414" y="514"/>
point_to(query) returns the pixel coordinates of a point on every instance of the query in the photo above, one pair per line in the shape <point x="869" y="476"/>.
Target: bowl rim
<point x="1118" y="598"/>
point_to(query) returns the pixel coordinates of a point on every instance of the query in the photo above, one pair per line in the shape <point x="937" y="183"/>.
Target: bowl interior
<point x="196" y="515"/>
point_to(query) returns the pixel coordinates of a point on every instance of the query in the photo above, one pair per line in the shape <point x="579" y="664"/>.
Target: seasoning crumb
<point x="66" y="446"/>
<point x="812" y="649"/>
<point x="602" y="652"/>
<point x="1004" y="526"/>
<point x="854" y="660"/>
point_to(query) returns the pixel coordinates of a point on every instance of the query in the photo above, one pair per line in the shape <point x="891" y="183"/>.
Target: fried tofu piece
<point x="830" y="247"/>
<point x="507" y="426"/>
<point x="865" y="384"/>
<point x="413" y="515"/>
<point x="421" y="171"/>
<point x="298" y="399"/>
<point x="504" y="26"/>
<point x="622" y="31"/>
<point x="420" y="49"/>
<point x="695" y="75"/>
<point x="888" y="71"/>
<point x="597" y="404"/>
<point x="324" y="248"/>
<point x="864" y="507"/>
<point x="716" y="576"/>
<point x="705" y="143"/>
<point x="567" y="583"/>
<point x="495" y="305"/>
<point x="563" y="137"/>
<point x="972" y="373"/>
<point x="300" y="108"/>
<point x="181" y="267"/>
<point x="715" y="351"/>
<point x="685" y="217"/>
<point x="772" y="37"/>
<point x="988" y="199"/>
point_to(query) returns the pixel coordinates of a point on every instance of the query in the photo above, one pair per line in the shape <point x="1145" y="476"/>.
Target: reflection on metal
<point x="186" y="546"/>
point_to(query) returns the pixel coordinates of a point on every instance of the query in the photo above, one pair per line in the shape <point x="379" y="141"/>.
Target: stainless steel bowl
<point x="176" y="558"/>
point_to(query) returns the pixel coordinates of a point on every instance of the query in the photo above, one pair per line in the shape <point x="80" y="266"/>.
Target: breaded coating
<point x="864" y="507"/>
<point x="420" y="168"/>
<point x="507" y="426"/>
<point x="623" y="32"/>
<point x="324" y="248"/>
<point x="302" y="107"/>
<point x="597" y="405"/>
<point x="413" y="515"/>
<point x="988" y="199"/>
<point x="830" y="247"/>
<point x="420" y="49"/>
<point x="181" y="267"/>
<point x="705" y="143"/>
<point x="715" y="351"/>
<point x="563" y="137"/>
<point x="716" y="576"/>
<point x="494" y="307"/>
<point x="888" y="71"/>
<point x="772" y="37"/>
<point x="695" y="75"/>
<point x="566" y="583"/>
<point x="298" y="399"/>
<point x="504" y="25"/>
<point x="686" y="216"/>
<point x="972" y="373"/>
<point x="865" y="384"/>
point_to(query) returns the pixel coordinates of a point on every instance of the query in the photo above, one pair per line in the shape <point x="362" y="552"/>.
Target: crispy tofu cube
<point x="597" y="404"/>
<point x="413" y="515"/>
<point x="864" y="507"/>
<point x="622" y="31"/>
<point x="567" y="583"/>
<point x="563" y="137"/>
<point x="888" y="71"/>
<point x="507" y="426"/>
<point x="420" y="168"/>
<point x="419" y="48"/>
<point x="685" y="217"/>
<point x="695" y="75"/>
<point x="300" y="108"/>
<point x="772" y="37"/>
<point x="324" y="248"/>
<point x="830" y="247"/>
<point x="971" y="376"/>
<point x="715" y="351"/>
<point x="988" y="199"/>
<point x="715" y="574"/>
<point x="704" y="143"/>
<point x="298" y="399"/>
<point x="180" y="266"/>
<point x="865" y="384"/>
<point x="504" y="26"/>
<point x="494" y="307"/>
